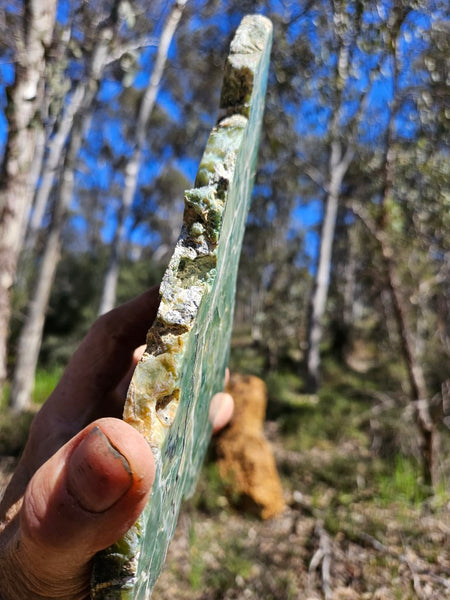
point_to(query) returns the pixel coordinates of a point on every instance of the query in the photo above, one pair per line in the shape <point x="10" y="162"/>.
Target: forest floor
<point x="357" y="523"/>
<point x="330" y="542"/>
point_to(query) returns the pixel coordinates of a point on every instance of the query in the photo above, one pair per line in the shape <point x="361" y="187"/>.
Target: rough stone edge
<point x="195" y="253"/>
<point x="197" y="245"/>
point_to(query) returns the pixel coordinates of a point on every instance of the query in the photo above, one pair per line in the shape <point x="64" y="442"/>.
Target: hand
<point x="85" y="475"/>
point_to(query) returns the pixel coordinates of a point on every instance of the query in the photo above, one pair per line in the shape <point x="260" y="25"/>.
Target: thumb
<point x="80" y="501"/>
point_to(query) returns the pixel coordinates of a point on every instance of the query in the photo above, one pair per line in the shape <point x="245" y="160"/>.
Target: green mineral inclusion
<point x="188" y="345"/>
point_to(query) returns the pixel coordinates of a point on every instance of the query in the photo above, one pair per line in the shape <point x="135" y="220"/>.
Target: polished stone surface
<point x="188" y="345"/>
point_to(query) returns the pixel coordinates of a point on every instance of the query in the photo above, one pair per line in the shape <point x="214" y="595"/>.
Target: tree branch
<point x="131" y="46"/>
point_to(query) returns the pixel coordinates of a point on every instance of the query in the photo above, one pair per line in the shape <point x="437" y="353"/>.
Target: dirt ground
<point x="323" y="546"/>
<point x="366" y="552"/>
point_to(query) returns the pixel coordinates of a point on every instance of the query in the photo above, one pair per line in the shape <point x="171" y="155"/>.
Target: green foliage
<point x="234" y="564"/>
<point x="44" y="384"/>
<point x="197" y="565"/>
<point x="284" y="389"/>
<point x="136" y="276"/>
<point x="399" y="482"/>
<point x="244" y="357"/>
<point x="14" y="430"/>
<point x="75" y="297"/>
<point x="347" y="445"/>
<point x="72" y="307"/>
<point x="210" y="496"/>
<point x="338" y="412"/>
<point x="4" y="395"/>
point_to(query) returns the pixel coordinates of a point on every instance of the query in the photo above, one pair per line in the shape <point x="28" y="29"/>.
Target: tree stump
<point x="245" y="459"/>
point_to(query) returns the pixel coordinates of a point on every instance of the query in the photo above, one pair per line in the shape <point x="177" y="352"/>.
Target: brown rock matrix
<point x="245" y="458"/>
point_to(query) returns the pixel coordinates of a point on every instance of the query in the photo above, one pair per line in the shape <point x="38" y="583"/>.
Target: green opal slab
<point x="188" y="344"/>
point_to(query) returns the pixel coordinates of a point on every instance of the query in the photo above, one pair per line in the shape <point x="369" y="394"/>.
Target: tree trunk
<point x="15" y="191"/>
<point x="350" y="308"/>
<point x="31" y="334"/>
<point x="55" y="153"/>
<point x="35" y="171"/>
<point x="419" y="396"/>
<point x="338" y="164"/>
<point x="419" y="393"/>
<point x="80" y="100"/>
<point x="75" y="121"/>
<point x="108" y="298"/>
<point x="338" y="167"/>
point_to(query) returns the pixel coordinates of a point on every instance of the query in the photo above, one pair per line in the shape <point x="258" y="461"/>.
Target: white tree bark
<point x="74" y="123"/>
<point x="31" y="334"/>
<point x="108" y="298"/>
<point x="35" y="170"/>
<point x="81" y="98"/>
<point x="15" y="190"/>
<point x="53" y="161"/>
<point x="338" y="166"/>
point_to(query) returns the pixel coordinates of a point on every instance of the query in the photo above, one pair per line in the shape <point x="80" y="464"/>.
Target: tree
<point x="33" y="39"/>
<point x="346" y="107"/>
<point x="72" y="127"/>
<point x="101" y="48"/>
<point x="31" y="333"/>
<point x="402" y="203"/>
<point x="132" y="167"/>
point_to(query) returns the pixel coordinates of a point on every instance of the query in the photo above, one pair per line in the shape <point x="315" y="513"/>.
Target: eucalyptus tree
<point x="32" y="38"/>
<point x="408" y="212"/>
<point x="133" y="165"/>
<point x="71" y="128"/>
<point x="96" y="42"/>
<point x="348" y="57"/>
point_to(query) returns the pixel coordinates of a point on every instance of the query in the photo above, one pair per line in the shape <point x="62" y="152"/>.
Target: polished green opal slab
<point x="188" y="344"/>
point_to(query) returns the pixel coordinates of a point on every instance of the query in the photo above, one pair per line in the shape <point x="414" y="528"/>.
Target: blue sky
<point x="310" y="121"/>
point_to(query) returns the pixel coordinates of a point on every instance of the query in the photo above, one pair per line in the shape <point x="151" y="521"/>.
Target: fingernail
<point x="98" y="474"/>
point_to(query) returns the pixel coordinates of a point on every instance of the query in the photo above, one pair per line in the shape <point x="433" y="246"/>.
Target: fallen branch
<point x="415" y="568"/>
<point x="323" y="555"/>
<point x="420" y="571"/>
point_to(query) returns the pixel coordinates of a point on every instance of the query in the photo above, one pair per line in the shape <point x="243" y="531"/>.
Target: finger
<point x="104" y="356"/>
<point x="122" y="388"/>
<point x="79" y="502"/>
<point x="39" y="449"/>
<point x="220" y="410"/>
<point x="227" y="377"/>
<point x="85" y="391"/>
